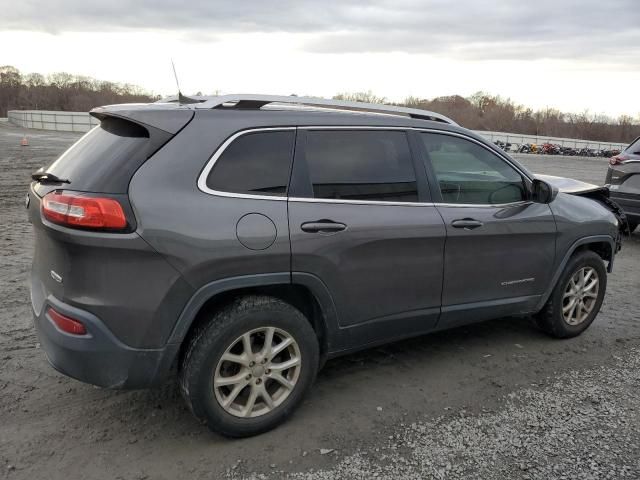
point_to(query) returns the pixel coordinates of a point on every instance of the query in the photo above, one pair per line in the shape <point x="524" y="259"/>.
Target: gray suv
<point x="243" y="240"/>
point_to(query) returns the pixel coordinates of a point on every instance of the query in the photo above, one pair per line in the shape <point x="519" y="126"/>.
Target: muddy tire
<point x="248" y="368"/>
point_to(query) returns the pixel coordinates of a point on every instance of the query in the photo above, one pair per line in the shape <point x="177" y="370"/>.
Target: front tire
<point x="576" y="298"/>
<point x="245" y="371"/>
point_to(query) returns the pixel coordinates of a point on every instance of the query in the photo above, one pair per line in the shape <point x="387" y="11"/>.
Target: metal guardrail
<point x="83" y="122"/>
<point x="53" y="120"/>
<point x="517" y="138"/>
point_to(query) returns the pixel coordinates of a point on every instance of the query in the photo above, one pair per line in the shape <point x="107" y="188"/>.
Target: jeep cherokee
<point x="242" y="240"/>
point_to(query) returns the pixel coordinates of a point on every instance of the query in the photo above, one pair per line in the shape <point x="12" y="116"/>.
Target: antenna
<point x="182" y="98"/>
<point x="173" y="65"/>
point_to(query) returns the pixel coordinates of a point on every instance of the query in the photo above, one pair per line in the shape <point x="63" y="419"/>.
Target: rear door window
<point x="468" y="173"/>
<point x="255" y="163"/>
<point x="372" y="165"/>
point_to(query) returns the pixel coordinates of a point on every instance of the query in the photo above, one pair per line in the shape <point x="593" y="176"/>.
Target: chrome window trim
<point x="352" y="127"/>
<point x="360" y="202"/>
<point x="408" y="204"/>
<point x="202" y="179"/>
<point x="484" y="205"/>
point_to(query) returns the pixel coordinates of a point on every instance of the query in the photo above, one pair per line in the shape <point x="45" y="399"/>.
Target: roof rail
<point x="249" y="101"/>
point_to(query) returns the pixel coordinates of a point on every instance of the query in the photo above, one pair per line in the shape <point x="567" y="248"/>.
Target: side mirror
<point x="543" y="192"/>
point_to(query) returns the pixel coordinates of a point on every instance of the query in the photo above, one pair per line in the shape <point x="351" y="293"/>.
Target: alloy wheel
<point x="257" y="372"/>
<point x="580" y="295"/>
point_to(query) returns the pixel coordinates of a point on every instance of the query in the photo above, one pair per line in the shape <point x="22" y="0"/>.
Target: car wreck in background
<point x="623" y="180"/>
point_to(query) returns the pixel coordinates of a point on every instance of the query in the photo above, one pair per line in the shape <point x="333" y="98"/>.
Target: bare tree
<point x="61" y="91"/>
<point x="366" y="97"/>
<point x="480" y="111"/>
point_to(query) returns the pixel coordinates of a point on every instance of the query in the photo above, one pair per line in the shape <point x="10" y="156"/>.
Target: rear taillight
<point x="77" y="210"/>
<point x="66" y="324"/>
<point x="618" y="159"/>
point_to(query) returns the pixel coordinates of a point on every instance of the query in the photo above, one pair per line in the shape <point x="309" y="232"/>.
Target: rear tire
<point x="575" y="303"/>
<point x="270" y="360"/>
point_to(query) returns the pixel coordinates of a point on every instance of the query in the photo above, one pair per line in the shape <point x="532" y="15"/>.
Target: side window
<point x="256" y="163"/>
<point x="470" y="174"/>
<point x="634" y="147"/>
<point x="372" y="165"/>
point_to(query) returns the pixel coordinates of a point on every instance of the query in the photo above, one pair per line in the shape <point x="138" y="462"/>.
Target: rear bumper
<point x="629" y="203"/>
<point x="98" y="357"/>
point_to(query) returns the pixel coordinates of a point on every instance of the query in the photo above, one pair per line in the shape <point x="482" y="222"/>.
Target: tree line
<point x="62" y="91"/>
<point x="480" y="111"/>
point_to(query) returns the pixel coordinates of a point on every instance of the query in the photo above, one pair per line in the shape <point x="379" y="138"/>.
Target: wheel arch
<point x="602" y="248"/>
<point x="603" y="245"/>
<point x="304" y="291"/>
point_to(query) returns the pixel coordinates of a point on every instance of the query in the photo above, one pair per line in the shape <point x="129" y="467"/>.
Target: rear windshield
<point x="105" y="158"/>
<point x="634" y="147"/>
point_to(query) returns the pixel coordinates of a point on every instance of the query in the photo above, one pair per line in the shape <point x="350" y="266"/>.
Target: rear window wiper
<point x="44" y="177"/>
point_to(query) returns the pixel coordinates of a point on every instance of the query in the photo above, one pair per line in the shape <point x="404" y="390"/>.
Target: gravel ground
<point x="494" y="400"/>
<point x="584" y="424"/>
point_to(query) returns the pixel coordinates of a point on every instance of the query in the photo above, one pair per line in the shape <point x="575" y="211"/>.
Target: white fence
<point x="519" y="139"/>
<point x="53" y="120"/>
<point x="83" y="122"/>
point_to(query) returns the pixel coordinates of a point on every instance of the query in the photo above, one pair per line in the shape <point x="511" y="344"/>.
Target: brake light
<point x="618" y="159"/>
<point x="75" y="210"/>
<point x="66" y="324"/>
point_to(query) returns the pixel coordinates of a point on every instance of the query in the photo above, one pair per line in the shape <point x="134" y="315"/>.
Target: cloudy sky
<point x="569" y="54"/>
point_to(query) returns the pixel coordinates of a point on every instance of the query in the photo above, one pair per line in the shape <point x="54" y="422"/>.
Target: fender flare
<point x="578" y="243"/>
<point x="325" y="300"/>
<point x="317" y="288"/>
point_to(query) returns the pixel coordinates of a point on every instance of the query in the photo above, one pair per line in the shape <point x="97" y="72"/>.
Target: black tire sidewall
<point x="583" y="259"/>
<point x="215" y="341"/>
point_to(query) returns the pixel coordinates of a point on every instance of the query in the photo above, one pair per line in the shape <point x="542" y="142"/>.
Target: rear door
<point x="361" y="221"/>
<point x="500" y="246"/>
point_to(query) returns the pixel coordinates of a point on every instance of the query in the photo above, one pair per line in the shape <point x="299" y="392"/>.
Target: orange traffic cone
<point x="24" y="142"/>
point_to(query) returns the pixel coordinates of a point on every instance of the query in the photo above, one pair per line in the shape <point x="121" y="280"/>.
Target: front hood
<point x="569" y="185"/>
<point x="594" y="192"/>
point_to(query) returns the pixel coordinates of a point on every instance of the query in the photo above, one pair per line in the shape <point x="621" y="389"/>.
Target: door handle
<point x="322" y="226"/>
<point x="467" y="223"/>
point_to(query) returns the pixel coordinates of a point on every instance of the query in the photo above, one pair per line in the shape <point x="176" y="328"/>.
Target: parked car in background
<point x="623" y="180"/>
<point x="242" y="243"/>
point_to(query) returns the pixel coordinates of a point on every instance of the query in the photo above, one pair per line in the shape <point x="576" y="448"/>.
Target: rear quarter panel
<point x="196" y="231"/>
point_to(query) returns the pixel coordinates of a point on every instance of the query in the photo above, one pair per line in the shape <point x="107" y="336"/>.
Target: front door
<point x="360" y="223"/>
<point x="500" y="246"/>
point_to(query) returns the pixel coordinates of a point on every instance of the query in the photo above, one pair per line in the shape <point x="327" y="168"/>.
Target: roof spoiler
<point x="161" y="117"/>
